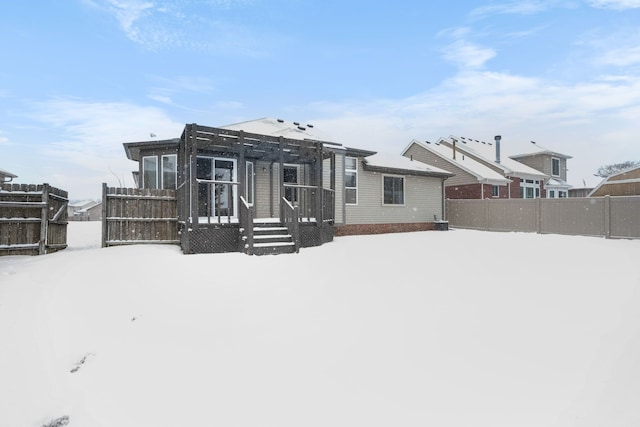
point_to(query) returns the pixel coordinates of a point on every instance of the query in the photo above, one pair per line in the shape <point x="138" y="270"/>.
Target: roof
<point x="556" y="182"/>
<point x="487" y="152"/>
<point x="532" y="148"/>
<point x="608" y="179"/>
<point x="133" y="148"/>
<point x="468" y="164"/>
<point x="280" y="127"/>
<point x="7" y="174"/>
<point x="395" y="162"/>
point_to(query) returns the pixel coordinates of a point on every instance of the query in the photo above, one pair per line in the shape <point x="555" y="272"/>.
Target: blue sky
<point x="80" y="77"/>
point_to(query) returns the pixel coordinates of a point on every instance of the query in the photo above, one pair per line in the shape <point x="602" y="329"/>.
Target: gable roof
<point x="611" y="179"/>
<point x="486" y="151"/>
<point x="475" y="168"/>
<point x="390" y="163"/>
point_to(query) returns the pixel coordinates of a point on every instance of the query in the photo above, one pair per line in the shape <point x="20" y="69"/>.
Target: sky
<point x="183" y="342"/>
<point x="80" y="77"/>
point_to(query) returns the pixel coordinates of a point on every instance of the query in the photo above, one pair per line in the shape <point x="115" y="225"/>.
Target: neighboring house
<point x="472" y="180"/>
<point x="85" y="210"/>
<point x="6" y="177"/>
<point x="233" y="181"/>
<point x="551" y="163"/>
<point x="489" y="173"/>
<point x="625" y="183"/>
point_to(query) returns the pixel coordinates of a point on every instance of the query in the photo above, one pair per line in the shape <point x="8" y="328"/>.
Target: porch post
<point x="319" y="193"/>
<point x="192" y="150"/>
<point x="242" y="167"/>
<point x="281" y="176"/>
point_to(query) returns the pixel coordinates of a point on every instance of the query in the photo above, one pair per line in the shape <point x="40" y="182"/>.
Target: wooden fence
<point x="608" y="216"/>
<point x="33" y="219"/>
<point x="138" y="215"/>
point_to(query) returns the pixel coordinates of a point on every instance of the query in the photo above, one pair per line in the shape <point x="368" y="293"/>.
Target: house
<point x="482" y="170"/>
<point x="6" y="177"/>
<point x="550" y="162"/>
<point x="84" y="210"/>
<point x="624" y="183"/>
<point x="272" y="186"/>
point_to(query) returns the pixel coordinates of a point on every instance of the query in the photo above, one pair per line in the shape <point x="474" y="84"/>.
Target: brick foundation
<point x="355" y="229"/>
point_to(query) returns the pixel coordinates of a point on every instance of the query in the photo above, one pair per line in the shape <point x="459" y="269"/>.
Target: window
<point x="169" y="171"/>
<point x="495" y="191"/>
<point x="555" y="166"/>
<point x="351" y="180"/>
<point x="529" y="189"/>
<point x="562" y="194"/>
<point x="291" y="177"/>
<point x="552" y="194"/>
<point x="393" y="190"/>
<point x="150" y="172"/>
<point x="250" y="184"/>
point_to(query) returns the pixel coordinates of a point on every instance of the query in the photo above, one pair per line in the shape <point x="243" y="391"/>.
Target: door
<point x="291" y="173"/>
<point x="219" y="196"/>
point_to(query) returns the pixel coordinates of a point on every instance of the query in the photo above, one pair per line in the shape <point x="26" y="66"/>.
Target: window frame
<point x="144" y="171"/>
<point x="175" y="171"/>
<point x="250" y="179"/>
<point x="495" y="191"/>
<point x="404" y="195"/>
<point x="554" y="161"/>
<point x="348" y="170"/>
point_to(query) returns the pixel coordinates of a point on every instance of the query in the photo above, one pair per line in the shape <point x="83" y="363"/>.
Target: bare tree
<point x="606" y="170"/>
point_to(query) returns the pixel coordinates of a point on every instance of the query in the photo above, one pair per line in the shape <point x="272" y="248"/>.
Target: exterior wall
<point x="479" y="191"/>
<point x="262" y="202"/>
<point x="543" y="163"/>
<point x="461" y="177"/>
<point x="422" y="197"/>
<point x="339" y="190"/>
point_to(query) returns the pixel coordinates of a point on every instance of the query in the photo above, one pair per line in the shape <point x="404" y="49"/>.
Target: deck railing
<point x="224" y="206"/>
<point x="246" y="226"/>
<point x="290" y="215"/>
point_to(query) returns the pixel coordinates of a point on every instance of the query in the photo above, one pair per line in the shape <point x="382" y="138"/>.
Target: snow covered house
<point x="271" y="186"/>
<point x="6" y="176"/>
<point x="624" y="183"/>
<point x="488" y="170"/>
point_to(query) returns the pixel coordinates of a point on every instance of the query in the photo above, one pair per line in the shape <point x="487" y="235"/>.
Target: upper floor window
<point x="351" y="180"/>
<point x="169" y="171"/>
<point x="393" y="190"/>
<point x="555" y="166"/>
<point x="164" y="176"/>
<point x="150" y="172"/>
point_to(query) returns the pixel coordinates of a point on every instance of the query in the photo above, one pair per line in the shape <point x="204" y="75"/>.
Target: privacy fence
<point x="138" y="215"/>
<point x="33" y="219"/>
<point x="609" y="216"/>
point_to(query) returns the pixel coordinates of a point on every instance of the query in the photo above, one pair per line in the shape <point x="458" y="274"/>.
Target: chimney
<point x="498" y="138"/>
<point x="454" y="148"/>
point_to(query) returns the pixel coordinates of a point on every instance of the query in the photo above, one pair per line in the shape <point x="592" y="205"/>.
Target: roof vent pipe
<point x="454" y="148"/>
<point x="498" y="138"/>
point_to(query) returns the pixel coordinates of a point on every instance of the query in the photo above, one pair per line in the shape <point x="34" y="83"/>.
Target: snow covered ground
<point x="458" y="328"/>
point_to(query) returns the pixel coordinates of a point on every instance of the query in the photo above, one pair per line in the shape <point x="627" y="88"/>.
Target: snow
<point x="381" y="330"/>
<point x="398" y="161"/>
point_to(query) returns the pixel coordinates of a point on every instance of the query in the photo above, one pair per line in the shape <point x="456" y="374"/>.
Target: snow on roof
<point x="7" y="174"/>
<point x="279" y="127"/>
<point x="466" y="163"/>
<point x="556" y="182"/>
<point x="397" y="161"/>
<point x="487" y="151"/>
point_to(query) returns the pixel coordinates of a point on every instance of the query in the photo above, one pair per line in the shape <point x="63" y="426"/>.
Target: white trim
<point x="349" y="170"/>
<point x="250" y="178"/>
<point x="404" y="191"/>
<point x="144" y="158"/>
<point x="233" y="180"/>
<point x="175" y="172"/>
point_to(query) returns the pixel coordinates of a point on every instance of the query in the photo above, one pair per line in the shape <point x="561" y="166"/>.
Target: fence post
<point x="486" y="214"/>
<point x="539" y="215"/>
<point x="607" y="217"/>
<point x="105" y="230"/>
<point x="44" y="220"/>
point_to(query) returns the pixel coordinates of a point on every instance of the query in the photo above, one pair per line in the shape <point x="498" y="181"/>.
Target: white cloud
<point x="519" y="7"/>
<point x="615" y="4"/>
<point x="621" y="57"/>
<point x="467" y="55"/>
